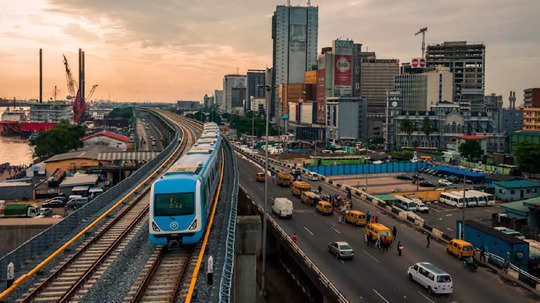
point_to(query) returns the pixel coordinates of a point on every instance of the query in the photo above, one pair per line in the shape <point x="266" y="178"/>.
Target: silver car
<point x="341" y="249"/>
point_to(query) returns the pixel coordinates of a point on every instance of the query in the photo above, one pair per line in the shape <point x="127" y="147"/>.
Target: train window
<point x="174" y="204"/>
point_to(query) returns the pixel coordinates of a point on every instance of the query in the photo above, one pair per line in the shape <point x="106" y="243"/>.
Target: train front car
<point x="174" y="212"/>
<point x="181" y="199"/>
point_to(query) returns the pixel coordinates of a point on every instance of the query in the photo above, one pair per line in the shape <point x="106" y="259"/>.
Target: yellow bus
<point x="284" y="179"/>
<point x="356" y="217"/>
<point x="310" y="198"/>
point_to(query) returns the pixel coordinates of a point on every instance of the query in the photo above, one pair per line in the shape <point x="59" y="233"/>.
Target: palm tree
<point x="427" y="128"/>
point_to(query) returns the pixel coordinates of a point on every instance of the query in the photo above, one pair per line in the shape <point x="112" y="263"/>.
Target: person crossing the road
<point x="428" y="240"/>
<point x="394" y="232"/>
<point x="294" y="238"/>
<point x="320" y="189"/>
<point x="399" y="248"/>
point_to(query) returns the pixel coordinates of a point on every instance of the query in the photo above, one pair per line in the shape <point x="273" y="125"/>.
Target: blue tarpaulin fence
<point x="360" y="169"/>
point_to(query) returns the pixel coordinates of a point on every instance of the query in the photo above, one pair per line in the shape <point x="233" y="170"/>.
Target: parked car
<point x="341" y="249"/>
<point x="427" y="184"/>
<point x="445" y="182"/>
<point x="77" y="202"/>
<point x="404" y="177"/>
<point x="422" y="207"/>
<point x="54" y="203"/>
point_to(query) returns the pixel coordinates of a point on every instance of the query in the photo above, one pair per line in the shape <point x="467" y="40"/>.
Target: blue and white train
<point x="182" y="198"/>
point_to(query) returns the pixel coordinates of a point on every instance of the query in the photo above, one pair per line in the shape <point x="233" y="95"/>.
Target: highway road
<point x="374" y="276"/>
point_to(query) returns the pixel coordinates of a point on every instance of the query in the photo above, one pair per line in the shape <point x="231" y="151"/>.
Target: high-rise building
<point x="294" y="35"/>
<point x="468" y="63"/>
<point x="531" y="97"/>
<point x="419" y="92"/>
<point x="218" y="100"/>
<point x="208" y="101"/>
<point x="346" y="118"/>
<point x="234" y="93"/>
<point x="377" y="76"/>
<point x="493" y="102"/>
<point x="357" y="58"/>
<point x="255" y="85"/>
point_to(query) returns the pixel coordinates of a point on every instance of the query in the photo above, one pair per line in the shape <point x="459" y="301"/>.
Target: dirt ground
<point x="380" y="184"/>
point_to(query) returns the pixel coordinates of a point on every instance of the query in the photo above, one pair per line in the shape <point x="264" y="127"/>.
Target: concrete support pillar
<point x="248" y="244"/>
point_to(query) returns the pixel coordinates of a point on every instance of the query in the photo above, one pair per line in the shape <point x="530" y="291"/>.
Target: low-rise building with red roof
<point x="107" y="138"/>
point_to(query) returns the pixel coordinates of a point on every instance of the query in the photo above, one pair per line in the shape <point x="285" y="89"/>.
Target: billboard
<point x="343" y="67"/>
<point x="418" y="63"/>
<point x="321" y="95"/>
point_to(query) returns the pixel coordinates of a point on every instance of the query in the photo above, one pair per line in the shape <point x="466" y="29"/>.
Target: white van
<point x="406" y="204"/>
<point x="282" y="207"/>
<point x="434" y="279"/>
<point x="313" y="176"/>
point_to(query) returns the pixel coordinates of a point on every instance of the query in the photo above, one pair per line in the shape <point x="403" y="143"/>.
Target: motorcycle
<point x="470" y="264"/>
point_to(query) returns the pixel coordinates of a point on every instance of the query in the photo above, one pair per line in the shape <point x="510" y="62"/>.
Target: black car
<point x="404" y="177"/>
<point x="54" y="203"/>
<point x="427" y="184"/>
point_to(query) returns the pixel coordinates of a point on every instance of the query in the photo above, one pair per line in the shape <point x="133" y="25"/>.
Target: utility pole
<point x="423" y="32"/>
<point x="463" y="210"/>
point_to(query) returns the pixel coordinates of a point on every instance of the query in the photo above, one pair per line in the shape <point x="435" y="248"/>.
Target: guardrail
<point x="317" y="272"/>
<point x="225" y="285"/>
<point x="410" y="218"/>
<point x="51" y="237"/>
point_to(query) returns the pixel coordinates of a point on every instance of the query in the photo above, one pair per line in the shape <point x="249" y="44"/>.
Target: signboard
<point x="343" y="67"/>
<point x="418" y="63"/>
<point x="321" y="96"/>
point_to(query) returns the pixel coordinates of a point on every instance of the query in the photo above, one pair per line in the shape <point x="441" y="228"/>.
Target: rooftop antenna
<point x="423" y="32"/>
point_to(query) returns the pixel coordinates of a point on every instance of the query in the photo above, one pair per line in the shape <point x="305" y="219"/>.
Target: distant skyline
<point x="170" y="50"/>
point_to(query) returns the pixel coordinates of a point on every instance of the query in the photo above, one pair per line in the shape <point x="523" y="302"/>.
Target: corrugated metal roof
<point x="459" y="171"/>
<point x="127" y="156"/>
<point x="107" y="134"/>
<point x="516" y="208"/>
<point x="517" y="184"/>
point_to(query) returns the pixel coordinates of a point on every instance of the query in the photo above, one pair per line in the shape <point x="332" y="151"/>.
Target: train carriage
<point x="181" y="199"/>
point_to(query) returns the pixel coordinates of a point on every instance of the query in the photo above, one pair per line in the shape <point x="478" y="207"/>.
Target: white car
<point x="434" y="279"/>
<point x="445" y="182"/>
<point x="421" y="207"/>
<point x="282" y="207"/>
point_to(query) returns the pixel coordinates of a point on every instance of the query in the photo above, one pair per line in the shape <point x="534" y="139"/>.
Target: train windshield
<point x="174" y="204"/>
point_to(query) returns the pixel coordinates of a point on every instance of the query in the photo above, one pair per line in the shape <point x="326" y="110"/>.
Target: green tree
<point x="407" y="127"/>
<point x="427" y="128"/>
<point x="121" y="112"/>
<point x="470" y="149"/>
<point x="62" y="138"/>
<point x="243" y="125"/>
<point x="526" y="156"/>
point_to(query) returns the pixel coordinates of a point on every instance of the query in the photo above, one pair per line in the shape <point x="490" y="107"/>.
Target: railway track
<point x="163" y="276"/>
<point x="72" y="278"/>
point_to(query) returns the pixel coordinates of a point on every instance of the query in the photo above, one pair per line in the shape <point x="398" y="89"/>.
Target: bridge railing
<point x="225" y="285"/>
<point x="50" y="239"/>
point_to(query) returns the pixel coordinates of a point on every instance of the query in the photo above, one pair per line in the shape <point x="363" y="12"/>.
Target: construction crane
<point x="91" y="93"/>
<point x="423" y="32"/>
<point x="71" y="84"/>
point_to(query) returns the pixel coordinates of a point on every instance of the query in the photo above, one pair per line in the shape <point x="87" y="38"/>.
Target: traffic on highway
<point x="389" y="261"/>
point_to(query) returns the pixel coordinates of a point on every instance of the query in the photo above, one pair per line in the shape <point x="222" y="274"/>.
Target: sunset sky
<point x="175" y="49"/>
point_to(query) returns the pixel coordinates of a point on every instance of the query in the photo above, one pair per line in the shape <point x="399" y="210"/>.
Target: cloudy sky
<point x="177" y="49"/>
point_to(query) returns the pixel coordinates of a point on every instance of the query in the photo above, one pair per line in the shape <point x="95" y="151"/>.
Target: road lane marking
<point x="337" y="231"/>
<point x="371" y="256"/>
<point x="426" y="297"/>
<point x="341" y="261"/>
<point x="380" y="296"/>
<point x="309" y="231"/>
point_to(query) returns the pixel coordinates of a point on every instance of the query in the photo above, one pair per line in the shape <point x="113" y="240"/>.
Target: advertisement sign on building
<point x="343" y="67"/>
<point x="418" y="63"/>
<point x="321" y="95"/>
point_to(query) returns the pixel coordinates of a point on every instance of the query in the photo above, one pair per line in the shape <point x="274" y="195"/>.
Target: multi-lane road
<point x="374" y="276"/>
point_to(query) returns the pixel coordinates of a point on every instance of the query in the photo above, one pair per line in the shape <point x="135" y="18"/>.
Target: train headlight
<point x="155" y="227"/>
<point x="193" y="225"/>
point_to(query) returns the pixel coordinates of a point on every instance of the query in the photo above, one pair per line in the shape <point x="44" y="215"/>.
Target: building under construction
<point x="467" y="62"/>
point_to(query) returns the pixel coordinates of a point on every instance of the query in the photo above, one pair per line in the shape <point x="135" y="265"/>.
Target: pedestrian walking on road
<point x="294" y="238"/>
<point x="320" y="189"/>
<point x="483" y="254"/>
<point x="394" y="232"/>
<point x="428" y="239"/>
<point x="376" y="219"/>
<point x="366" y="239"/>
<point x="10" y="274"/>
<point x="399" y="248"/>
<point x="368" y="218"/>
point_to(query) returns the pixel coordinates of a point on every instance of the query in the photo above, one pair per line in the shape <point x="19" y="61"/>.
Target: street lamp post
<point x="263" y="280"/>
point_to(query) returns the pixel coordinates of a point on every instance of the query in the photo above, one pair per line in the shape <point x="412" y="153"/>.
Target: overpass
<point x="372" y="276"/>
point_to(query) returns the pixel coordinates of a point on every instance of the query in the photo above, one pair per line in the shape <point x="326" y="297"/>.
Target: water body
<point x="15" y="150"/>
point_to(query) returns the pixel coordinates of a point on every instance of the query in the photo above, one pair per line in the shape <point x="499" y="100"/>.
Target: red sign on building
<point x="343" y="70"/>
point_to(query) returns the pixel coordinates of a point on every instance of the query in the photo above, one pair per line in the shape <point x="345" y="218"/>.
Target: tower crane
<point x="423" y="31"/>
<point x="91" y="93"/>
<point x="71" y="84"/>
